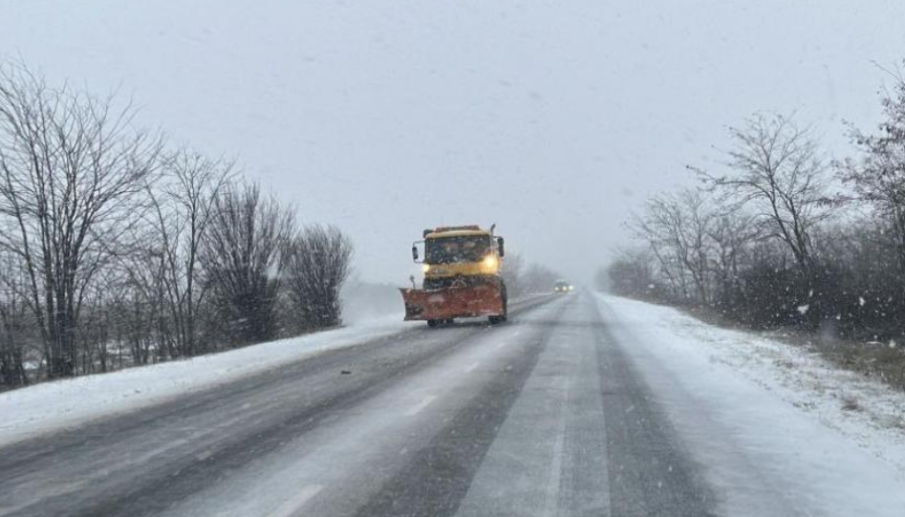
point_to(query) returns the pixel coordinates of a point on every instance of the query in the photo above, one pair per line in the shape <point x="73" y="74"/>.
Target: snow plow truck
<point x="462" y="276"/>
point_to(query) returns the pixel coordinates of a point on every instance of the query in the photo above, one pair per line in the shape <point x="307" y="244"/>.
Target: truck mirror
<point x="501" y="246"/>
<point x="415" y="253"/>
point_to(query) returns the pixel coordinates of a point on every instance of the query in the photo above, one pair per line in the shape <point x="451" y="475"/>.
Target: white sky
<point x="552" y="119"/>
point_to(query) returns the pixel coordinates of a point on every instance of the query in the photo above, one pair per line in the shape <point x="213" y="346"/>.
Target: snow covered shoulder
<point x="48" y="407"/>
<point x="754" y="409"/>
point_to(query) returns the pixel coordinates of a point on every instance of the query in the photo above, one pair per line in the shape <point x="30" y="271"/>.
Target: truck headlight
<point x="426" y="268"/>
<point x="491" y="262"/>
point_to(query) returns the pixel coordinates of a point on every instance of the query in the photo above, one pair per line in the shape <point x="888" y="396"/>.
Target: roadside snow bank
<point x="47" y="407"/>
<point x="828" y="441"/>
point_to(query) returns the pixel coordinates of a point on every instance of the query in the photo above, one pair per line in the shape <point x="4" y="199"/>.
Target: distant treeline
<point x="525" y="279"/>
<point x="781" y="236"/>
<point x="118" y="249"/>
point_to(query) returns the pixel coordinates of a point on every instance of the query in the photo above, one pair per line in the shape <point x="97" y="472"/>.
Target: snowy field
<point x="829" y="441"/>
<point x="55" y="405"/>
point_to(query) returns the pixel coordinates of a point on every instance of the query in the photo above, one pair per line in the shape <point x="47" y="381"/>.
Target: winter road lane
<point x="541" y="416"/>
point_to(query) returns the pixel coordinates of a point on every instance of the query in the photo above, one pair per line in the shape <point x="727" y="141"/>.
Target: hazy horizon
<point x="552" y="121"/>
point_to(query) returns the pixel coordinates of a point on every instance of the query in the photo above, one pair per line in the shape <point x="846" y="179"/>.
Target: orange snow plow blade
<point x="453" y="302"/>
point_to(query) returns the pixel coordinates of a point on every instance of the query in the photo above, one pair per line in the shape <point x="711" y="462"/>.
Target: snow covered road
<point x="582" y="405"/>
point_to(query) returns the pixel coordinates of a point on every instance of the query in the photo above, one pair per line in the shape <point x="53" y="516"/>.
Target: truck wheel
<point x="496" y="320"/>
<point x="434" y="323"/>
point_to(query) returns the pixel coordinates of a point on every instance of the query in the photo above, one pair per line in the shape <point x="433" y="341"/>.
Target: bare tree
<point x="513" y="269"/>
<point x="733" y="233"/>
<point x="778" y="173"/>
<point x="631" y="273"/>
<point x="139" y="298"/>
<point x="317" y="262"/>
<point x="115" y="253"/>
<point x="180" y="220"/>
<point x="648" y="229"/>
<point x="677" y="228"/>
<point x="14" y="327"/>
<point x="879" y="176"/>
<point x="538" y="279"/>
<point x="71" y="172"/>
<point x="240" y="258"/>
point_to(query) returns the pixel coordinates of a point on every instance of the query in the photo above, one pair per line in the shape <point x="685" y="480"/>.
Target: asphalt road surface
<point x="544" y="415"/>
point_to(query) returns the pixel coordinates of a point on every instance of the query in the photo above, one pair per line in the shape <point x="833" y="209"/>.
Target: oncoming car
<point x="561" y="286"/>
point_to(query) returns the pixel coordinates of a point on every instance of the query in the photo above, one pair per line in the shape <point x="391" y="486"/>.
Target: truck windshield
<point x="447" y="250"/>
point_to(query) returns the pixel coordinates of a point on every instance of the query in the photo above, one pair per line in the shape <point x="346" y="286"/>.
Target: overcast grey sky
<point x="552" y="119"/>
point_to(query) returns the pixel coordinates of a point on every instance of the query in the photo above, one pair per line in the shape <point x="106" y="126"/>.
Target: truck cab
<point x="459" y="254"/>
